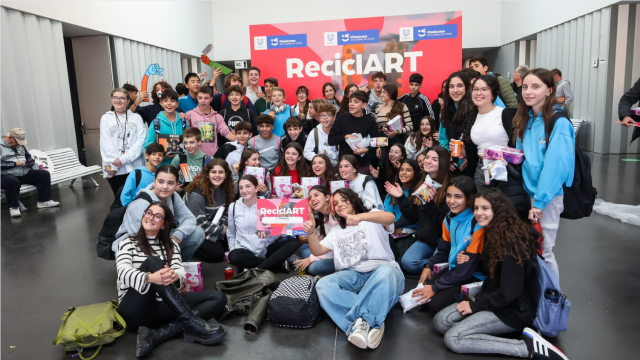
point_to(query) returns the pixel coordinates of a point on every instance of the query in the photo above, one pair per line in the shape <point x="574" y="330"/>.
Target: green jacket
<point x="506" y="93"/>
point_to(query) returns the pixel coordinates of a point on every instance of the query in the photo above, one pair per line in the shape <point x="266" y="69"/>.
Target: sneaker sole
<point x="374" y="341"/>
<point x="206" y="341"/>
<point x="47" y="206"/>
<point x="358" y="341"/>
<point x="17" y="215"/>
<point x="541" y="345"/>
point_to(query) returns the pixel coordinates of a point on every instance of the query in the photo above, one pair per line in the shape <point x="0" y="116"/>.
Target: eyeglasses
<point x="483" y="90"/>
<point x="115" y="98"/>
<point x="326" y="116"/>
<point x="155" y="217"/>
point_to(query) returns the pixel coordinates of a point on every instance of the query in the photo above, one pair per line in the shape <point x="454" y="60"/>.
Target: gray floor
<point x="49" y="263"/>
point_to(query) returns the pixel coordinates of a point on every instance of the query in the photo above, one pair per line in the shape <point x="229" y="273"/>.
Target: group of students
<point x="473" y="227"/>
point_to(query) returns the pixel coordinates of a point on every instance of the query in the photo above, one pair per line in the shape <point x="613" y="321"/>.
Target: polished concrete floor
<point x="49" y="263"/>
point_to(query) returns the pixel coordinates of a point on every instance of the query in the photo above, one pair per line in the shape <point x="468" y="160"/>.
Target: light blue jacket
<point x="543" y="179"/>
<point x="395" y="209"/>
<point x="166" y="127"/>
<point x="130" y="191"/>
<point x="281" y="118"/>
<point x="187" y="103"/>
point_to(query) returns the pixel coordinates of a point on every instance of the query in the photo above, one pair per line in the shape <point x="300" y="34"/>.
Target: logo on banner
<point x="260" y="43"/>
<point x="429" y="32"/>
<point x="280" y="42"/>
<point x="358" y="37"/>
<point x="345" y="37"/>
<point x="330" y="38"/>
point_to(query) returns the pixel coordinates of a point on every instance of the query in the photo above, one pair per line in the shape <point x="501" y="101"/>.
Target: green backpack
<point x="90" y="326"/>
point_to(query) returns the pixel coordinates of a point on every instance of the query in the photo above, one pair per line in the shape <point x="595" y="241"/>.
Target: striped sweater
<point x="129" y="257"/>
<point x="382" y="120"/>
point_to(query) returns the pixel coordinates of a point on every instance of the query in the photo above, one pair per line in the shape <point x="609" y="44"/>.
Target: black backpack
<point x="110" y="227"/>
<point x="295" y="303"/>
<point x="580" y="197"/>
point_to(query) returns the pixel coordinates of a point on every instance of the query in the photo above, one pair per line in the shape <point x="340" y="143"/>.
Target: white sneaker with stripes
<point x="539" y="347"/>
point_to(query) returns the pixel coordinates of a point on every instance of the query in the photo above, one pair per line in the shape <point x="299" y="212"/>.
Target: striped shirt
<point x="382" y="120"/>
<point x="129" y="257"/>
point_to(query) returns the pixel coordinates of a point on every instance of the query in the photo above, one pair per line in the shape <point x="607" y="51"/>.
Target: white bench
<point x="63" y="164"/>
<point x="577" y="123"/>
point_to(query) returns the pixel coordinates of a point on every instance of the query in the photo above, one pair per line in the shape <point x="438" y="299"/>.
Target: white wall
<point x="231" y="33"/>
<point x="159" y="23"/>
<point x="523" y="18"/>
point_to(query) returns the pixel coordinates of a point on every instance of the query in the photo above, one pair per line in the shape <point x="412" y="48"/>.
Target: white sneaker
<point x="358" y="333"/>
<point x="48" y="204"/>
<point x="15" y="212"/>
<point x="375" y="336"/>
<point x="539" y="347"/>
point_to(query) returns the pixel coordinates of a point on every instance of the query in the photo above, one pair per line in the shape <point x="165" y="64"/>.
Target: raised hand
<point x="375" y="172"/>
<point x="393" y="190"/>
<point x="154" y="69"/>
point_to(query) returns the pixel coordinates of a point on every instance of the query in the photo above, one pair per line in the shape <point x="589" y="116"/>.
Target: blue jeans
<point x="348" y="295"/>
<point x="320" y="267"/>
<point x="416" y="257"/>
<point x="191" y="243"/>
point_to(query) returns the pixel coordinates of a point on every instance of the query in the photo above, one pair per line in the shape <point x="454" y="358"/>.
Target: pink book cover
<point x="282" y="216"/>
<point x="193" y="277"/>
<point x="635" y="111"/>
<point x="510" y="155"/>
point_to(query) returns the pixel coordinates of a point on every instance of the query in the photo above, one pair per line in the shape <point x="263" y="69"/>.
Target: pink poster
<point x="351" y="50"/>
<point x="282" y="216"/>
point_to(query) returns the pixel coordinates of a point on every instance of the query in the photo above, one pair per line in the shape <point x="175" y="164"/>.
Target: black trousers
<point x="277" y="253"/>
<point x="41" y="179"/>
<point x="445" y="297"/>
<point x="211" y="251"/>
<point x="117" y="182"/>
<point x="143" y="309"/>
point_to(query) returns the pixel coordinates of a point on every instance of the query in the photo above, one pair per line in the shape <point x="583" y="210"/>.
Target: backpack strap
<point x="156" y="125"/>
<point x="316" y="137"/>
<point x="183" y="158"/>
<point x="138" y="177"/>
<point x="223" y="98"/>
<point x="205" y="160"/>
<point x="552" y="122"/>
<point x="185" y="124"/>
<point x="507" y="123"/>
<point x="144" y="196"/>
<point x="277" y="143"/>
<point x="246" y="100"/>
<point x="368" y="178"/>
<point x="254" y="142"/>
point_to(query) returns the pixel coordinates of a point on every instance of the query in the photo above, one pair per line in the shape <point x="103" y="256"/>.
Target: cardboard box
<point x="439" y="267"/>
<point x="472" y="289"/>
<point x="510" y="155"/>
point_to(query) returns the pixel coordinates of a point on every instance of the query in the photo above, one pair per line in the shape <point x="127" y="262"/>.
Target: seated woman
<point x="360" y="295"/>
<point x="423" y="138"/>
<point x="321" y="168"/>
<point x="363" y="185"/>
<point x="407" y="181"/>
<point x="389" y="166"/>
<point x="207" y="194"/>
<point x="292" y="163"/>
<point x="508" y="301"/>
<point x="249" y="248"/>
<point x="460" y="232"/>
<point x="251" y="157"/>
<point x="150" y="273"/>
<point x="320" y="204"/>
<point x="429" y="215"/>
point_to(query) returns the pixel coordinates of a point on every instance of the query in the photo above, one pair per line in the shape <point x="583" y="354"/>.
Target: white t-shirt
<point x="367" y="192"/>
<point x="361" y="248"/>
<point x="252" y="95"/>
<point x="488" y="130"/>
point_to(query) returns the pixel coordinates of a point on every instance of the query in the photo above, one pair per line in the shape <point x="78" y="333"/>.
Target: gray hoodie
<point x="183" y="218"/>
<point x="563" y="88"/>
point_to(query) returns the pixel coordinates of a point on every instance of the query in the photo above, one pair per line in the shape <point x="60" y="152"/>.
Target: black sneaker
<point x="539" y="347"/>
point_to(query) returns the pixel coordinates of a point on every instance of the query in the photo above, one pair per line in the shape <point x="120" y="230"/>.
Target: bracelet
<point x="146" y="277"/>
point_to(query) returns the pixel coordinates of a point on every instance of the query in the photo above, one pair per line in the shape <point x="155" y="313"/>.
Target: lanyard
<point x="126" y="118"/>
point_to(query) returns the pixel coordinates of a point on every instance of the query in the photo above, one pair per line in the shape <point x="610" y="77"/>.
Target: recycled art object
<point x="211" y="63"/>
<point x="153" y="69"/>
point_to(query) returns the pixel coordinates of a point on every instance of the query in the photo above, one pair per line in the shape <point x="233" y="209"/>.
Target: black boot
<point x="149" y="338"/>
<point x="195" y="329"/>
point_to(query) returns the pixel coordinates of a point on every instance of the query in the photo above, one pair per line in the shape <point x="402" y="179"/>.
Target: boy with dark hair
<point x="141" y="177"/>
<point x="210" y="123"/>
<point x="236" y="113"/>
<point x="418" y="104"/>
<point x="167" y="127"/>
<point x="221" y="100"/>
<point x="151" y="111"/>
<point x="231" y="151"/>
<point x="481" y="65"/>
<point x="192" y="83"/>
<point x="190" y="164"/>
<point x="266" y="142"/>
<point x="181" y="89"/>
<point x="379" y="80"/>
<point x="294" y="132"/>
<point x="355" y="122"/>
<point x="265" y="103"/>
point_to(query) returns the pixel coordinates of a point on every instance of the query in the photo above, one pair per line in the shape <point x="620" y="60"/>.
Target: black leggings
<point x="277" y="253"/>
<point x="143" y="310"/>
<point x="117" y="182"/>
<point x="445" y="297"/>
<point x="210" y="251"/>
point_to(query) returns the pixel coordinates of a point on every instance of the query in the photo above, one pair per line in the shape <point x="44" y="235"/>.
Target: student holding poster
<point x="292" y="164"/>
<point x="251" y="248"/>
<point x="368" y="283"/>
